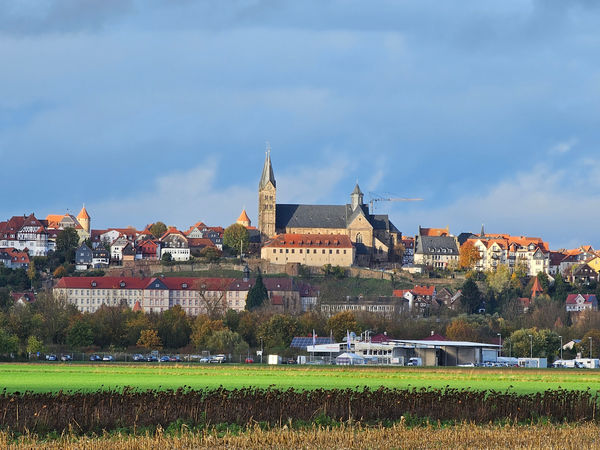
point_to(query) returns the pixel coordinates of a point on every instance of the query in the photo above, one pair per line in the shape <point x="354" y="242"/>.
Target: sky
<point x="161" y="110"/>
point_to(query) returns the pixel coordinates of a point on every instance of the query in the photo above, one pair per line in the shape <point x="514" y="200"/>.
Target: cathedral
<point x="373" y="235"/>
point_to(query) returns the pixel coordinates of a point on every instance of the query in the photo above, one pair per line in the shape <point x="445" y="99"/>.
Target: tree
<point x="80" y="334"/>
<point x="32" y="272"/>
<point x="468" y="255"/>
<point x="226" y="341"/>
<point x="279" y="331"/>
<point x="60" y="272"/>
<point x="499" y="280"/>
<point x="158" y="229"/>
<point x="202" y="329"/>
<point x="584" y="345"/>
<point x="257" y="294"/>
<point x="166" y="257"/>
<point x="67" y="242"/>
<point x="56" y="314"/>
<point x="461" y="330"/>
<point x="34" y="345"/>
<point x="149" y="339"/>
<point x="334" y="271"/>
<point x="234" y="236"/>
<point x="398" y="252"/>
<point x="135" y="324"/>
<point x="174" y="328"/>
<point x="9" y="343"/>
<point x="211" y="254"/>
<point x="213" y="296"/>
<point x="248" y="326"/>
<point x="342" y="322"/>
<point x="542" y="344"/>
<point x="471" y="297"/>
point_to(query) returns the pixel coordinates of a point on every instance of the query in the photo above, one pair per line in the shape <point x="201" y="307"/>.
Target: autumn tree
<point x="150" y="340"/>
<point x="213" y="297"/>
<point x="158" y="229"/>
<point x="584" y="345"/>
<point x="236" y="236"/>
<point x="471" y="297"/>
<point x="67" y="241"/>
<point x="80" y="334"/>
<point x="279" y="331"/>
<point x="542" y="344"/>
<point x="226" y="341"/>
<point x="468" y="255"/>
<point x="342" y="322"/>
<point x="461" y="330"/>
<point x="202" y="329"/>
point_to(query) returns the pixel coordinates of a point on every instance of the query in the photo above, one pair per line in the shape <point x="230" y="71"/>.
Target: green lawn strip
<point x="91" y="377"/>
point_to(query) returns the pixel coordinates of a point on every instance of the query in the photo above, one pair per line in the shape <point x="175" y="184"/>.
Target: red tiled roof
<point x="435" y="337"/>
<point x="588" y="298"/>
<point x="102" y="282"/>
<point x="200" y="242"/>
<point x="434" y="231"/>
<point x="296" y="240"/>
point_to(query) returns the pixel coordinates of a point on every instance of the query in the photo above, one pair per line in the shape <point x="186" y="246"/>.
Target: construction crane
<point x="377" y="198"/>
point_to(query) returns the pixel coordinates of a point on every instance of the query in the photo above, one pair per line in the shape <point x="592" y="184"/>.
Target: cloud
<point x="561" y="206"/>
<point x="564" y="146"/>
<point x="181" y="198"/>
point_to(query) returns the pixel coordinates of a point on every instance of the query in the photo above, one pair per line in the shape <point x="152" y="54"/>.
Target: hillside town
<point x="293" y="257"/>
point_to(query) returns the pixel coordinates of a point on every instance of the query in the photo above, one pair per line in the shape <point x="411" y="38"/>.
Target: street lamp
<point x="530" y="346"/>
<point x="500" y="336"/>
<point x="590" y="338"/>
<point x="560" y="347"/>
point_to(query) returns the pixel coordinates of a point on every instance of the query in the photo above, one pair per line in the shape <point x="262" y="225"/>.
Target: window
<point x="359" y="238"/>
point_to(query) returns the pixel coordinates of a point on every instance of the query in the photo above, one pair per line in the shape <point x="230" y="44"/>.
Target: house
<point x="421" y="299"/>
<point x="198" y="244"/>
<point x="23" y="298"/>
<point x="581" y="302"/>
<point x="175" y="243"/>
<point x="448" y="299"/>
<point x="128" y="252"/>
<point x="26" y="232"/>
<point x="83" y="257"/>
<point x="100" y="258"/>
<point x="309" y="249"/>
<point x="309" y="296"/>
<point x="202" y="231"/>
<point x="408" y="257"/>
<point x="116" y="248"/>
<point x="583" y="274"/>
<point x="14" y="259"/>
<point x="438" y="252"/>
<point x="148" y="249"/>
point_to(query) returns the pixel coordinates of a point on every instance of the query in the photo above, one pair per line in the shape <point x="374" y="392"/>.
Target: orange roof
<point x="243" y="217"/>
<point x="137" y="306"/>
<point x="536" y="289"/>
<point x="434" y="231"/>
<point x="83" y="214"/>
<point x="310" y="240"/>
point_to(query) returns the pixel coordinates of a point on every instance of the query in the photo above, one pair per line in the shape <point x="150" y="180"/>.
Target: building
<point x="408" y="257"/>
<point x="581" y="302"/>
<point x="438" y="252"/>
<point x="175" y="243"/>
<point x="372" y="235"/>
<point x="83" y="257"/>
<point x="583" y="274"/>
<point x="421" y="299"/>
<point x="100" y="258"/>
<point x="388" y="307"/>
<point x="309" y="249"/>
<point x="14" y="259"/>
<point x="284" y="294"/>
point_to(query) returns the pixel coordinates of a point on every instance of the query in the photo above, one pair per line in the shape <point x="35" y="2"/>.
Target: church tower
<point x="266" y="200"/>
<point x="356" y="197"/>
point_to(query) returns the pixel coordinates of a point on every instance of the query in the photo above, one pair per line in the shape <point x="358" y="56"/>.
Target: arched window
<point x="359" y="238"/>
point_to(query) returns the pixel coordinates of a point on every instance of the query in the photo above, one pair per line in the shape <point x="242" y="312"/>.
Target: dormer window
<point x="122" y="284"/>
<point x="94" y="284"/>
<point x="184" y="285"/>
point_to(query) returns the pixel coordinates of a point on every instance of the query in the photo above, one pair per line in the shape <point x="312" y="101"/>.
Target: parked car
<point x="138" y="357"/>
<point x="151" y="358"/>
<point x="291" y="361"/>
<point x="164" y="359"/>
<point x="51" y="358"/>
<point x="108" y="358"/>
<point x="204" y="359"/>
<point x="66" y="358"/>
<point x="174" y="359"/>
<point x="95" y="358"/>
<point x="218" y="359"/>
<point x="248" y="360"/>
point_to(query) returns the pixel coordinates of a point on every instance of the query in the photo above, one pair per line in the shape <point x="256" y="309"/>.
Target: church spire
<point x="267" y="173"/>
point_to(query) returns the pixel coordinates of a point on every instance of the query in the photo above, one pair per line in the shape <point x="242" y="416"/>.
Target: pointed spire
<point x="267" y="173"/>
<point x="357" y="189"/>
<point x="83" y="214"/>
<point x="482" y="231"/>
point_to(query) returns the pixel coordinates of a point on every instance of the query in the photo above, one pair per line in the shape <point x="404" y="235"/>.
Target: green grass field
<point x="47" y="377"/>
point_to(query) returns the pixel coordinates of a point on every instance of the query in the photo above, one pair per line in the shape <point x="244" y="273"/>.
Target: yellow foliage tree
<point x="468" y="255"/>
<point x="149" y="339"/>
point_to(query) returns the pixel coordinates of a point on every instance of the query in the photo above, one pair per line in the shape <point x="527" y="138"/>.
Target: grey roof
<point x="357" y="190"/>
<point x="267" y="173"/>
<point x="311" y="216"/>
<point x="436" y="245"/>
<point x="327" y="216"/>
